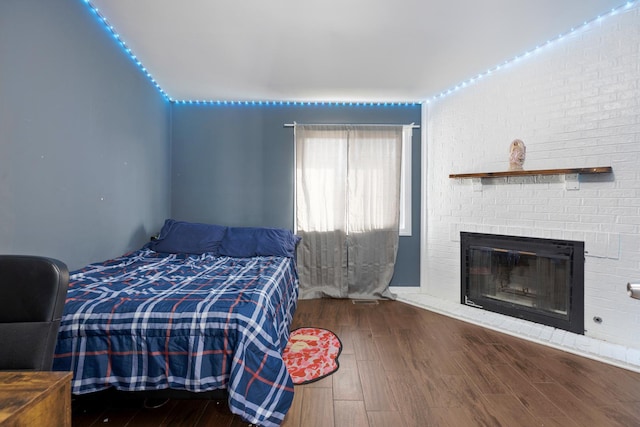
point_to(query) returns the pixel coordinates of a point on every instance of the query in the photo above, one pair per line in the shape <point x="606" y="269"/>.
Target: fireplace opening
<point x="540" y="280"/>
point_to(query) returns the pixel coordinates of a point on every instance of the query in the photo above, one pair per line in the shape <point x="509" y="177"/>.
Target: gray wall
<point x="84" y="137"/>
<point x="233" y="165"/>
<point x="86" y="150"/>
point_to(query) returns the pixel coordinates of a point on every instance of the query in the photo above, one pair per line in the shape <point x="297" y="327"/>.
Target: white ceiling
<point x="333" y="50"/>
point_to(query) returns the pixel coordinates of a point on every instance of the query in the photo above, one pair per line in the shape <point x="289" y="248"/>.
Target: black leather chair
<point x="33" y="290"/>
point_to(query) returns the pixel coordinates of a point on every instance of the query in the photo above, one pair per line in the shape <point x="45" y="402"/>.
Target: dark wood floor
<point x="404" y="366"/>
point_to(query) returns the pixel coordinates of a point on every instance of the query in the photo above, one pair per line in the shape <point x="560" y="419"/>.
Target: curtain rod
<point x="290" y="125"/>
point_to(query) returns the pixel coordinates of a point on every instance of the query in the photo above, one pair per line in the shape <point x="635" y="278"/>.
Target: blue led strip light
<point x="536" y="49"/>
<point x="124" y="46"/>
<point x="128" y="51"/>
<point x="338" y="103"/>
<point x="301" y="103"/>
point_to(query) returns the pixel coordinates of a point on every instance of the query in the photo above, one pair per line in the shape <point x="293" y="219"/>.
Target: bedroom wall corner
<point x="233" y="165"/>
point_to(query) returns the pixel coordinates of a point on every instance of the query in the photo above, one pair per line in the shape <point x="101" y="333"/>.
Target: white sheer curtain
<point x="347" y="209"/>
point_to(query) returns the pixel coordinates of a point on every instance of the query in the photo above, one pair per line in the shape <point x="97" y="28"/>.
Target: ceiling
<point x="333" y="50"/>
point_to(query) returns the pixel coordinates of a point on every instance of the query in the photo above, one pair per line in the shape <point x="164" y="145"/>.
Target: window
<point x="325" y="176"/>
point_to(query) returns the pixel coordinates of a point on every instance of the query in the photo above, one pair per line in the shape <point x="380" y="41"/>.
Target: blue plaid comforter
<point x="148" y="321"/>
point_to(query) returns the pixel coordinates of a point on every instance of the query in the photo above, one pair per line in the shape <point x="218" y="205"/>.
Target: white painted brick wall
<point x="575" y="103"/>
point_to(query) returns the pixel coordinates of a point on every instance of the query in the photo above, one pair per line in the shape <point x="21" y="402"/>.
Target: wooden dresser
<point x="29" y="398"/>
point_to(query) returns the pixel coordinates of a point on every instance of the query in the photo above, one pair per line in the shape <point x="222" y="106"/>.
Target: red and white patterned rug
<point x="311" y="354"/>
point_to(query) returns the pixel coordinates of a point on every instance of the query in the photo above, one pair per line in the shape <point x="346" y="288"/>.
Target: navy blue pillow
<point x="189" y="237"/>
<point x="276" y="242"/>
<point x="245" y="242"/>
<point x="239" y="242"/>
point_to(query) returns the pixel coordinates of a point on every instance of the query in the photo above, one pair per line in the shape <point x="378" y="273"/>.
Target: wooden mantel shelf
<point x="567" y="171"/>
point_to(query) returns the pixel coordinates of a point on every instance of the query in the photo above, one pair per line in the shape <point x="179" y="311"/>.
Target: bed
<point x="203" y="307"/>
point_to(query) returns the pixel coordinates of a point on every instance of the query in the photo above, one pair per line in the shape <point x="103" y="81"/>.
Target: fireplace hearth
<point x="540" y="280"/>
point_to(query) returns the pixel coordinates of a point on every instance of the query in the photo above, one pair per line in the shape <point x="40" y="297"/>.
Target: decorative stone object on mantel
<point x="517" y="154"/>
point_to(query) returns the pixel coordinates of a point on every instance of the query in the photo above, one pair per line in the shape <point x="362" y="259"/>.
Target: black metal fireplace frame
<point x="573" y="322"/>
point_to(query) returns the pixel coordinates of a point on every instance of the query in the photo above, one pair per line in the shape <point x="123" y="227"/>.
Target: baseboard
<point x="405" y="289"/>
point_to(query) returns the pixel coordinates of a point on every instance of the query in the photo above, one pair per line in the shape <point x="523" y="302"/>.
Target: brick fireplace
<point x="572" y="109"/>
<point x="540" y="280"/>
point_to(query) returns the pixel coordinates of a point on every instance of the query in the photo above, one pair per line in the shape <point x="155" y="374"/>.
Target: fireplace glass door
<point x="522" y="278"/>
<point x="541" y="280"/>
